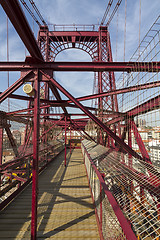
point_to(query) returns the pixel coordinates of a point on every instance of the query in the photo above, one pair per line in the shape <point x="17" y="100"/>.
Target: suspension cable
<point x="107" y="11"/>
<point x="124" y="56"/>
<point x="117" y="36"/>
<point x="114" y="11"/>
<point x="32" y="14"/>
<point x="8" y="61"/>
<point x="37" y="11"/>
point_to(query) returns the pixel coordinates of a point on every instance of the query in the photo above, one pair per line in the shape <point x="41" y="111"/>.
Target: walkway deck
<point x="65" y="209"/>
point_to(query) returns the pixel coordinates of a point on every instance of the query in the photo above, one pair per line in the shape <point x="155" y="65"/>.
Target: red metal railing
<point x="121" y="228"/>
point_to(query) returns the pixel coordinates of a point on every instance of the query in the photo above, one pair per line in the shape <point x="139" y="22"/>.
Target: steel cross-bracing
<point x="128" y="180"/>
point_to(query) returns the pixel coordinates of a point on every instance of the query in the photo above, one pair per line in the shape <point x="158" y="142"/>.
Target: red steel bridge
<point x="113" y="141"/>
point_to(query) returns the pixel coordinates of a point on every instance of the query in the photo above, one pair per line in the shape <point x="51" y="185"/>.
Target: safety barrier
<point x="111" y="219"/>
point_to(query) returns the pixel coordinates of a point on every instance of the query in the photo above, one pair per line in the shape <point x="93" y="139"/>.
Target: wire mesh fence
<point x="135" y="189"/>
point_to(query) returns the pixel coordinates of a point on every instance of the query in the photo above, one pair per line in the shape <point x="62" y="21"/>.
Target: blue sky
<point x="80" y="12"/>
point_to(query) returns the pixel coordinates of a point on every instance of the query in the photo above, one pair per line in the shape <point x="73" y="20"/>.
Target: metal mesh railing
<point x="135" y="190"/>
<point x="108" y="221"/>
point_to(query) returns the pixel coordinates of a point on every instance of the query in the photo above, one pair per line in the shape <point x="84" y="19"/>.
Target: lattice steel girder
<point x="151" y="104"/>
<point x="57" y="95"/>
<point x="83" y="66"/>
<point x="20" y="23"/>
<point x="79" y="128"/>
<point x="62" y="36"/>
<point x="4" y="117"/>
<point x="139" y="140"/>
<point x="12" y="140"/>
<point x="1" y="144"/>
<point x="145" y="107"/>
<point x="120" y="91"/>
<point x="15" y="86"/>
<point x="94" y="118"/>
<point x="36" y="134"/>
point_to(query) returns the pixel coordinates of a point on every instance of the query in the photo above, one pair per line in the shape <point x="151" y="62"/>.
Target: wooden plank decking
<point x="65" y="209"/>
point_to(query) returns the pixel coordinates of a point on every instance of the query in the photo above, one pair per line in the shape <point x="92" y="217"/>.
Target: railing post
<point x="65" y="142"/>
<point x="1" y="145"/>
<point x="130" y="156"/>
<point x="70" y="140"/>
<point x="1" y="149"/>
<point x="101" y="207"/>
<point x="158" y="208"/>
<point x="124" y="223"/>
<point x="35" y="159"/>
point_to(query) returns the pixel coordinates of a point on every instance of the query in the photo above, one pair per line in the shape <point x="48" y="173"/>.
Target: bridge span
<point x="65" y="206"/>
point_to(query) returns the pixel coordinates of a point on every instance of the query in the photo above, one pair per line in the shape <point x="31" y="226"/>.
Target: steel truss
<point x="42" y="129"/>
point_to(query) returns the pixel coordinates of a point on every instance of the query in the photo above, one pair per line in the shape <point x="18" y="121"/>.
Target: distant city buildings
<point x="151" y="139"/>
<point x="18" y="136"/>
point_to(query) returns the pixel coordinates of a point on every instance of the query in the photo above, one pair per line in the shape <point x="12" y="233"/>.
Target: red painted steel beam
<point x="62" y="114"/>
<point x="18" y="119"/>
<point x="22" y="187"/>
<point x="95" y="119"/>
<point x="4" y="117"/>
<point x="57" y="122"/>
<point x="48" y="115"/>
<point x="21" y="160"/>
<point x="57" y="35"/>
<point x="35" y="159"/>
<point x="150" y="105"/>
<point x="1" y="144"/>
<point x="115" y="120"/>
<point x="57" y="95"/>
<point x="139" y="141"/>
<point x="20" y="97"/>
<point x="120" y="91"/>
<point x="62" y="124"/>
<point x="77" y="127"/>
<point x="51" y="103"/>
<point x="20" y="23"/>
<point x="14" y="86"/>
<point x="27" y="110"/>
<point x="79" y="131"/>
<point x="65" y="151"/>
<point x="105" y="94"/>
<point x="83" y="66"/>
<point x="12" y="141"/>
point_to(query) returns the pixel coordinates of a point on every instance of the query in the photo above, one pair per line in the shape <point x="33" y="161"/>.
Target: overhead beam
<point x="150" y="105"/>
<point x="57" y="95"/>
<point x="104" y="94"/>
<point x="12" y="140"/>
<point x="94" y="118"/>
<point x="120" y="91"/>
<point x="14" y="86"/>
<point x="139" y="140"/>
<point x="83" y="66"/>
<point x="140" y="109"/>
<point x="20" y="23"/>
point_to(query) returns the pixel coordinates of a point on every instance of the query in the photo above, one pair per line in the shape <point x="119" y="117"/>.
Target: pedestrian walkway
<point x="65" y="209"/>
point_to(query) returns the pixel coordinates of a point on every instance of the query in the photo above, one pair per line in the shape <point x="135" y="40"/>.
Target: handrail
<point x="124" y="223"/>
